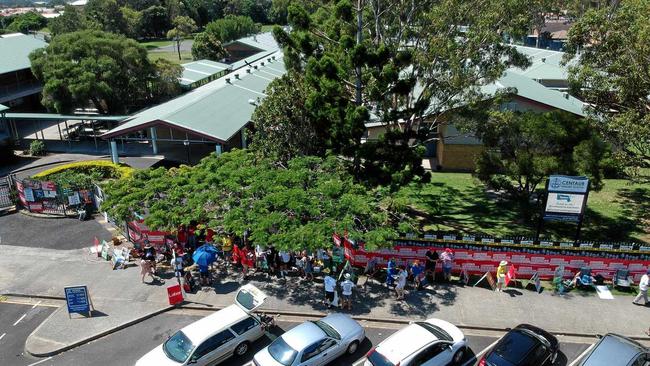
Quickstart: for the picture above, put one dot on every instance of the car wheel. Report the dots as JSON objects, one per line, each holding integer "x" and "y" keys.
{"x": 352, "y": 348}
{"x": 241, "y": 349}
{"x": 458, "y": 356}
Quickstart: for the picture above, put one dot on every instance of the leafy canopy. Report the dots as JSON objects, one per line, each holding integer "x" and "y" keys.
{"x": 295, "y": 206}
{"x": 613, "y": 73}
{"x": 110, "y": 71}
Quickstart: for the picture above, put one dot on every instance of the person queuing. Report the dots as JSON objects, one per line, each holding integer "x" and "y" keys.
{"x": 391, "y": 272}
{"x": 643, "y": 289}
{"x": 501, "y": 275}
{"x": 431, "y": 258}
{"x": 247, "y": 258}
{"x": 447, "y": 258}
{"x": 346, "y": 292}
{"x": 401, "y": 283}
{"x": 330, "y": 288}
{"x": 417, "y": 271}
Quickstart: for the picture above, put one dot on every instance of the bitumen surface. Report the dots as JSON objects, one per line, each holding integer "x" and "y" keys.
{"x": 16, "y": 323}
{"x": 126, "y": 346}
{"x": 62, "y": 233}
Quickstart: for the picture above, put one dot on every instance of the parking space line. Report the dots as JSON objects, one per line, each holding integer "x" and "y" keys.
{"x": 478, "y": 355}
{"x": 37, "y": 304}
{"x": 21, "y": 318}
{"x": 41, "y": 361}
{"x": 582, "y": 355}
{"x": 2, "y": 336}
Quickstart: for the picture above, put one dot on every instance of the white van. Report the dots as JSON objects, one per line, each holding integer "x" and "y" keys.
{"x": 216, "y": 337}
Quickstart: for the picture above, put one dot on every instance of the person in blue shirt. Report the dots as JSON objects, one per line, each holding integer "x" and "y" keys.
{"x": 391, "y": 271}
{"x": 417, "y": 271}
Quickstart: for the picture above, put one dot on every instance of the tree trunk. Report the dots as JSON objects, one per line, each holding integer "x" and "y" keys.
{"x": 178, "y": 47}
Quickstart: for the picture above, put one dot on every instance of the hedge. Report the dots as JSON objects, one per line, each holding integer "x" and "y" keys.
{"x": 117, "y": 171}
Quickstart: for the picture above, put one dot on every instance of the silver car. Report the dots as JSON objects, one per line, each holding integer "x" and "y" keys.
{"x": 616, "y": 350}
{"x": 313, "y": 343}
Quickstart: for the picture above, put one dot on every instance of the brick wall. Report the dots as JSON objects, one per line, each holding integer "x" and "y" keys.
{"x": 458, "y": 157}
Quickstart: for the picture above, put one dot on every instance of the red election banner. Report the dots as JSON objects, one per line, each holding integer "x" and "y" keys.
{"x": 337, "y": 240}
{"x": 174, "y": 294}
{"x": 36, "y": 206}
{"x": 478, "y": 261}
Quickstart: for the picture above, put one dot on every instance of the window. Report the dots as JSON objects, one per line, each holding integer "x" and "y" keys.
{"x": 429, "y": 353}
{"x": 244, "y": 325}
{"x": 312, "y": 350}
{"x": 327, "y": 344}
{"x": 213, "y": 343}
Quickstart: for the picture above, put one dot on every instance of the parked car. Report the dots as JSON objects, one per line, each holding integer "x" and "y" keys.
{"x": 211, "y": 340}
{"x": 616, "y": 350}
{"x": 523, "y": 346}
{"x": 433, "y": 342}
{"x": 313, "y": 343}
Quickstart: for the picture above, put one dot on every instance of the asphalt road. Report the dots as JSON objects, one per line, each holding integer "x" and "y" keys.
{"x": 125, "y": 347}
{"x": 16, "y": 323}
{"x": 60, "y": 233}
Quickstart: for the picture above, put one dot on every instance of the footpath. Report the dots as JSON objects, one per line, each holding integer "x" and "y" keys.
{"x": 121, "y": 300}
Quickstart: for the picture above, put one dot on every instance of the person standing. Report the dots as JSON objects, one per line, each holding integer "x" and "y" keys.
{"x": 431, "y": 257}
{"x": 447, "y": 258}
{"x": 146, "y": 269}
{"x": 272, "y": 259}
{"x": 285, "y": 258}
{"x": 417, "y": 271}
{"x": 501, "y": 275}
{"x": 226, "y": 248}
{"x": 309, "y": 266}
{"x": 330, "y": 287}
{"x": 643, "y": 289}
{"x": 401, "y": 283}
{"x": 391, "y": 272}
{"x": 346, "y": 292}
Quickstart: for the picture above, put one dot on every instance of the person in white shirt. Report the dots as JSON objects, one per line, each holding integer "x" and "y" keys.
{"x": 346, "y": 292}
{"x": 285, "y": 258}
{"x": 401, "y": 283}
{"x": 330, "y": 287}
{"x": 643, "y": 289}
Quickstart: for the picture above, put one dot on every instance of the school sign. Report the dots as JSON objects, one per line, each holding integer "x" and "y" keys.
{"x": 566, "y": 198}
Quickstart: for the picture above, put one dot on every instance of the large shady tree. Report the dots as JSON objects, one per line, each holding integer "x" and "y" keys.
{"x": 294, "y": 206}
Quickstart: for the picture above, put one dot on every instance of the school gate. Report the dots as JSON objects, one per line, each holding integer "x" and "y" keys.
{"x": 6, "y": 186}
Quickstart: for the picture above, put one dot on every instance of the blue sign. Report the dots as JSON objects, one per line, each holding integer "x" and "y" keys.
{"x": 77, "y": 299}
{"x": 562, "y": 183}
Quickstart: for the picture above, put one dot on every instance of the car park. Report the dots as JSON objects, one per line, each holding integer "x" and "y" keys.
{"x": 433, "y": 342}
{"x": 525, "y": 345}
{"x": 616, "y": 350}
{"x": 211, "y": 340}
{"x": 313, "y": 343}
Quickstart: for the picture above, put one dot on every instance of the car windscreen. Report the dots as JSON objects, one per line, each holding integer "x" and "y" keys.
{"x": 331, "y": 332}
{"x": 178, "y": 347}
{"x": 436, "y": 331}
{"x": 515, "y": 346}
{"x": 282, "y": 352}
{"x": 377, "y": 359}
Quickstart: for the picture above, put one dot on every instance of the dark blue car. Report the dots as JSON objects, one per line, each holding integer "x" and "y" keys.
{"x": 525, "y": 345}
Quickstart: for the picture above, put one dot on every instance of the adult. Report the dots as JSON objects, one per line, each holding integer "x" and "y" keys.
{"x": 247, "y": 259}
{"x": 431, "y": 258}
{"x": 346, "y": 292}
{"x": 209, "y": 236}
{"x": 260, "y": 258}
{"x": 643, "y": 289}
{"x": 501, "y": 275}
{"x": 447, "y": 258}
{"x": 146, "y": 269}
{"x": 309, "y": 266}
{"x": 391, "y": 272}
{"x": 181, "y": 235}
{"x": 226, "y": 248}
{"x": 177, "y": 265}
{"x": 149, "y": 255}
{"x": 417, "y": 271}
{"x": 204, "y": 273}
{"x": 285, "y": 258}
{"x": 191, "y": 236}
{"x": 273, "y": 259}
{"x": 401, "y": 283}
{"x": 330, "y": 287}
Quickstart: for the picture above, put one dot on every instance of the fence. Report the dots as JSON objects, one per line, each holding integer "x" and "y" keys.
{"x": 46, "y": 198}
{"x": 6, "y": 192}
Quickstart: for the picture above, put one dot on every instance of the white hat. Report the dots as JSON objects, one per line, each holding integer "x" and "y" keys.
{"x": 347, "y": 276}
{"x": 503, "y": 263}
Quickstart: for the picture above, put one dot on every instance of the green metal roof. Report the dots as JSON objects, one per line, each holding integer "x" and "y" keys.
{"x": 15, "y": 49}
{"x": 62, "y": 117}
{"x": 200, "y": 70}
{"x": 545, "y": 64}
{"x": 217, "y": 110}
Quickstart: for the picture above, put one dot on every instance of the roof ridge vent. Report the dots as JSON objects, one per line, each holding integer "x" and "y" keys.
{"x": 228, "y": 81}
{"x": 237, "y": 76}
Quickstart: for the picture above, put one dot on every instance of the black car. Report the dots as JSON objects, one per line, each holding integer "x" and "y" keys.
{"x": 525, "y": 345}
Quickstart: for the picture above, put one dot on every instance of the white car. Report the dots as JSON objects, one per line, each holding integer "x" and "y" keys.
{"x": 216, "y": 337}
{"x": 433, "y": 342}
{"x": 313, "y": 343}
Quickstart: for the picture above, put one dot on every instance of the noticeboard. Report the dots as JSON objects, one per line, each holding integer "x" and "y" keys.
{"x": 77, "y": 299}
{"x": 566, "y": 198}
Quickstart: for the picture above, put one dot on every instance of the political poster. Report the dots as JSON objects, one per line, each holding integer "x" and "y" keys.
{"x": 73, "y": 199}
{"x": 29, "y": 194}
{"x": 174, "y": 294}
{"x": 77, "y": 299}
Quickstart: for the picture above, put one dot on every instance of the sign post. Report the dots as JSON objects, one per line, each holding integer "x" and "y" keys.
{"x": 78, "y": 300}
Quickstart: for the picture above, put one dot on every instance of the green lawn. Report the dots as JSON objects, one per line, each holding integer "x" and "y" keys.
{"x": 458, "y": 202}
{"x": 172, "y": 56}
{"x": 150, "y": 45}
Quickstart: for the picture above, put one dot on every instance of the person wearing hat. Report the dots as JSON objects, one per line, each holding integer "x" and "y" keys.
{"x": 447, "y": 258}
{"x": 501, "y": 275}
{"x": 643, "y": 289}
{"x": 346, "y": 292}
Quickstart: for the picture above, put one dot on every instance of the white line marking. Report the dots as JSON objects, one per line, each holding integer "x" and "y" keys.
{"x": 41, "y": 361}
{"x": 21, "y": 318}
{"x": 582, "y": 355}
{"x": 478, "y": 355}
{"x": 37, "y": 304}
{"x": 2, "y": 336}
{"x": 250, "y": 90}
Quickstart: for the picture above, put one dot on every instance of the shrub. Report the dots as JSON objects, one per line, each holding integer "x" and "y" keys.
{"x": 81, "y": 175}
{"x": 37, "y": 148}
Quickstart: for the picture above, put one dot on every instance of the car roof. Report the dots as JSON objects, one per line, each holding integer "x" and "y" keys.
{"x": 404, "y": 342}
{"x": 613, "y": 349}
{"x": 211, "y": 324}
{"x": 303, "y": 335}
{"x": 518, "y": 343}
